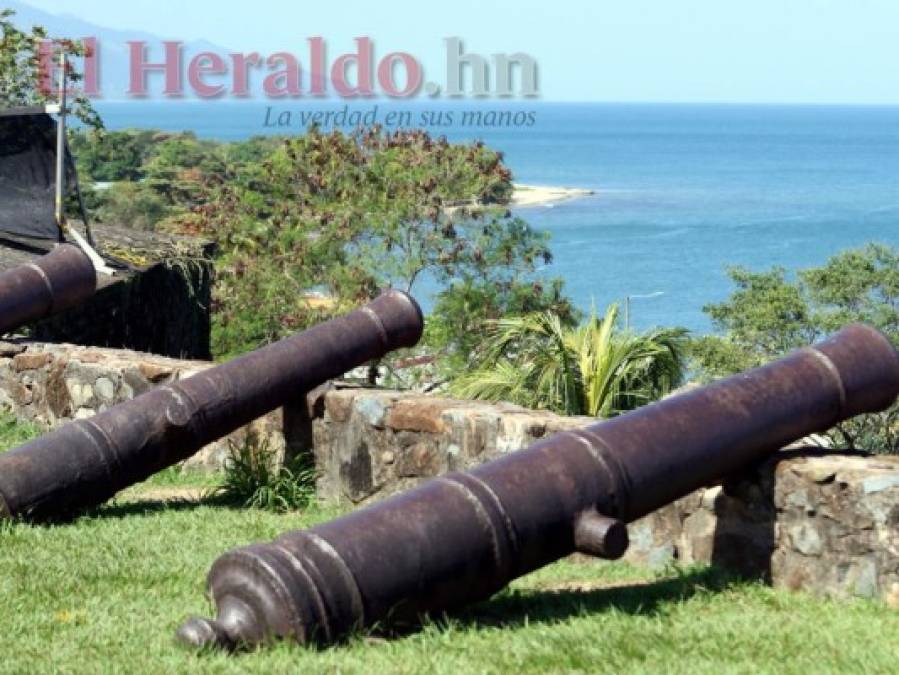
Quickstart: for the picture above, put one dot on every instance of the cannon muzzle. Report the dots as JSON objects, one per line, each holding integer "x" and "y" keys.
{"x": 60, "y": 280}
{"x": 461, "y": 537}
{"x": 87, "y": 461}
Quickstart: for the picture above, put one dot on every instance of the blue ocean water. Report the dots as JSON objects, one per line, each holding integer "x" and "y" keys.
{"x": 682, "y": 191}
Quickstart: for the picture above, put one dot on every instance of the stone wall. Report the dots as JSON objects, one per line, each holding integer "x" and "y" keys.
{"x": 373, "y": 443}
{"x": 50, "y": 384}
{"x": 824, "y": 523}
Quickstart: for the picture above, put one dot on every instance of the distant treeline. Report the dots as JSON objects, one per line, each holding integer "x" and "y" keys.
{"x": 144, "y": 178}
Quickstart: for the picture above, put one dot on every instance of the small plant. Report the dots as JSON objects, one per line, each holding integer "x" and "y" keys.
{"x": 14, "y": 433}
{"x": 596, "y": 369}
{"x": 254, "y": 478}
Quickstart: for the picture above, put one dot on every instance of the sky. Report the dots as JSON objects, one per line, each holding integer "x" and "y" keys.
{"x": 751, "y": 51}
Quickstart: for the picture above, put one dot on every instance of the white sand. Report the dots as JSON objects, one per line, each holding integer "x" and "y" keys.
{"x": 542, "y": 195}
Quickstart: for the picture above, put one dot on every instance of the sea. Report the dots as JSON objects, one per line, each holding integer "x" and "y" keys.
{"x": 681, "y": 191}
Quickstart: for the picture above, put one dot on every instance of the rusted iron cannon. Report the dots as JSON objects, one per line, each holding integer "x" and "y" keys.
{"x": 463, "y": 536}
{"x": 85, "y": 462}
{"x": 62, "y": 279}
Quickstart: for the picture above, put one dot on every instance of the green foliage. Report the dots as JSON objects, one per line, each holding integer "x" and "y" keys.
{"x": 312, "y": 225}
{"x": 134, "y": 205}
{"x": 156, "y": 176}
{"x": 537, "y": 361}
{"x": 14, "y": 433}
{"x": 112, "y": 155}
{"x": 255, "y": 478}
{"x": 178, "y": 166}
{"x": 350, "y": 214}
{"x": 767, "y": 313}
{"x": 771, "y": 313}
{"x": 22, "y": 80}
{"x": 252, "y": 151}
{"x": 856, "y": 285}
{"x": 460, "y": 322}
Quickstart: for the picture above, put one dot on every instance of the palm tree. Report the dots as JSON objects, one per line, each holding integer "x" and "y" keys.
{"x": 592, "y": 369}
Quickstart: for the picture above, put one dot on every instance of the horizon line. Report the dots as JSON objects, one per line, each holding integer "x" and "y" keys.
{"x": 481, "y": 101}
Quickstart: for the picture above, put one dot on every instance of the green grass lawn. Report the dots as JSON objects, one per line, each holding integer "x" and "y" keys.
{"x": 107, "y": 592}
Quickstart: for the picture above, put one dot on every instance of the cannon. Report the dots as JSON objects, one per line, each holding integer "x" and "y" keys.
{"x": 461, "y": 537}
{"x": 60, "y": 280}
{"x": 85, "y": 462}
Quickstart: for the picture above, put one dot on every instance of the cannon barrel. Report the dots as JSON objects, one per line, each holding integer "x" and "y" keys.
{"x": 62, "y": 279}
{"x": 87, "y": 461}
{"x": 461, "y": 537}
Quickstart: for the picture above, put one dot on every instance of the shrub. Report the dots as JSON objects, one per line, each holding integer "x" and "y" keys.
{"x": 538, "y": 361}
{"x": 254, "y": 478}
{"x": 773, "y": 312}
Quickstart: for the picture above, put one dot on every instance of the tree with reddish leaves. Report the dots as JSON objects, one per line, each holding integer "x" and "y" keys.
{"x": 330, "y": 219}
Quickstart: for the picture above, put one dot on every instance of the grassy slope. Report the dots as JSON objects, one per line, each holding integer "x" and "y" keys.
{"x": 107, "y": 592}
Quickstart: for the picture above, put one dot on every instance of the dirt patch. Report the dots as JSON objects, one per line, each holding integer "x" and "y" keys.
{"x": 167, "y": 494}
{"x": 585, "y": 586}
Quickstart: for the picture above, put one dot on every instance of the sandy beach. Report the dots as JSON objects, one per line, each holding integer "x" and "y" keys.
{"x": 527, "y": 196}
{"x": 542, "y": 195}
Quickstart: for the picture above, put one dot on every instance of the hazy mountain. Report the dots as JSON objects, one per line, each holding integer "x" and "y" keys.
{"x": 113, "y": 46}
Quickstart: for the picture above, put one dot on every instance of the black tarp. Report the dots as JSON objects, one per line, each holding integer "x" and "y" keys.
{"x": 28, "y": 175}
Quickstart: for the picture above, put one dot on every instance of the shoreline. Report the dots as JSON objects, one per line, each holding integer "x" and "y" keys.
{"x": 524, "y": 196}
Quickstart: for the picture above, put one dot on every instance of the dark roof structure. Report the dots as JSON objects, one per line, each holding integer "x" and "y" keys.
{"x": 28, "y": 175}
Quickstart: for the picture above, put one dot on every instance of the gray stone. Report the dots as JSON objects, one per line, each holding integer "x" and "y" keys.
{"x": 372, "y": 410}
{"x": 136, "y": 381}
{"x": 880, "y": 483}
{"x": 22, "y": 395}
{"x": 81, "y": 393}
{"x": 861, "y": 579}
{"x": 126, "y": 393}
{"x": 806, "y": 539}
{"x": 105, "y": 388}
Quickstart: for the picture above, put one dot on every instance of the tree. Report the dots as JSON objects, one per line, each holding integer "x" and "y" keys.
{"x": 112, "y": 155}
{"x": 463, "y": 312}
{"x": 23, "y": 78}
{"x": 130, "y": 205}
{"x": 771, "y": 313}
{"x": 537, "y": 361}
{"x": 178, "y": 166}
{"x": 156, "y": 175}
{"x": 349, "y": 214}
